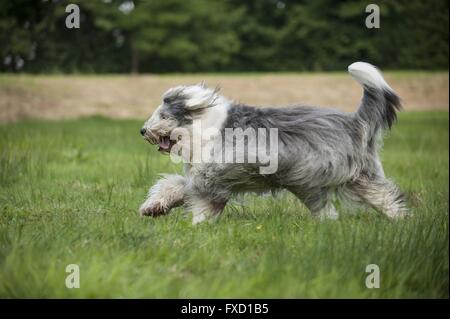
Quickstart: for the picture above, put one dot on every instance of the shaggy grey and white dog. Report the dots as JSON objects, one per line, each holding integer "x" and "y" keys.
{"x": 321, "y": 152}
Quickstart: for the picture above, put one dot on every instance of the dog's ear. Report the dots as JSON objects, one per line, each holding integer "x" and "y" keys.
{"x": 199, "y": 96}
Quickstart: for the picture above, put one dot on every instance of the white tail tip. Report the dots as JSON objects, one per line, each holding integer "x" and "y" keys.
{"x": 368, "y": 75}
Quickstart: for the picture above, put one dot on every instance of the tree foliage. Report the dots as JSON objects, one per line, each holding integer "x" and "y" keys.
{"x": 220, "y": 35}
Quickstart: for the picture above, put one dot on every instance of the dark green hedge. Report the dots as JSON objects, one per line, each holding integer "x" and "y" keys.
{"x": 220, "y": 35}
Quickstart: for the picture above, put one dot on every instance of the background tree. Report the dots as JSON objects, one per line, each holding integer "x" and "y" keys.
{"x": 220, "y": 35}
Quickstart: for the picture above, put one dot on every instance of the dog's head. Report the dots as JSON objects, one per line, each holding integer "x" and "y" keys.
{"x": 180, "y": 106}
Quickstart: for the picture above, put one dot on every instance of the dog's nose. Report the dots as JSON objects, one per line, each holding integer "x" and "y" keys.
{"x": 143, "y": 131}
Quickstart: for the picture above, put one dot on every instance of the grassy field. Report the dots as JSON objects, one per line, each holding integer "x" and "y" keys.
{"x": 69, "y": 193}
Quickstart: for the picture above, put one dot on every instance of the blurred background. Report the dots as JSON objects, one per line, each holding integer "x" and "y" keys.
{"x": 126, "y": 53}
{"x": 160, "y": 36}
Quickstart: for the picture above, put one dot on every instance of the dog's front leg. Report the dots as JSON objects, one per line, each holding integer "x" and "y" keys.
{"x": 167, "y": 193}
{"x": 204, "y": 207}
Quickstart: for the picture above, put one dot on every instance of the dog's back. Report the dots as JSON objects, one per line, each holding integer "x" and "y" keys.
{"x": 325, "y": 147}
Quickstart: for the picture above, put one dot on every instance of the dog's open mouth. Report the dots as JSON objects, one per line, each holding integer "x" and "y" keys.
{"x": 165, "y": 144}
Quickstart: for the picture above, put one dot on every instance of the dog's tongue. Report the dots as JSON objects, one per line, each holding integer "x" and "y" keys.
{"x": 164, "y": 143}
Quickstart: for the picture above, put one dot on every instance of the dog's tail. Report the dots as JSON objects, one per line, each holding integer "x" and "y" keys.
{"x": 380, "y": 103}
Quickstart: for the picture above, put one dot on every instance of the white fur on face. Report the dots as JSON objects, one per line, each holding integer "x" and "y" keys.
{"x": 214, "y": 107}
{"x": 155, "y": 118}
{"x": 208, "y": 111}
{"x": 156, "y": 125}
{"x": 212, "y": 117}
{"x": 198, "y": 97}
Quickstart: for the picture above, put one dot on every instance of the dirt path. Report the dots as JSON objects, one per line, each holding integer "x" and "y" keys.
{"x": 56, "y": 97}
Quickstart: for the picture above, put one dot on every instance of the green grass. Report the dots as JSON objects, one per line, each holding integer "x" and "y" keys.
{"x": 69, "y": 193}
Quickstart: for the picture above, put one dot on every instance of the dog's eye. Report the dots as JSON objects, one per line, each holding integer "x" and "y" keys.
{"x": 163, "y": 116}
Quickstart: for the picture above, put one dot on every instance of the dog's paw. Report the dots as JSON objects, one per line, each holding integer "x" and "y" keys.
{"x": 399, "y": 214}
{"x": 153, "y": 209}
{"x": 198, "y": 218}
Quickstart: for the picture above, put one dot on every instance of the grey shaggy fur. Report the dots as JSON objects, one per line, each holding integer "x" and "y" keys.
{"x": 322, "y": 153}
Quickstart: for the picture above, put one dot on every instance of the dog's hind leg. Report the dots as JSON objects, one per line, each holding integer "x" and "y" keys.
{"x": 167, "y": 193}
{"x": 379, "y": 193}
{"x": 318, "y": 202}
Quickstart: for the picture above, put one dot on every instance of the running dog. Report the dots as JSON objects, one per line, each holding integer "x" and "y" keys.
{"x": 320, "y": 152}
